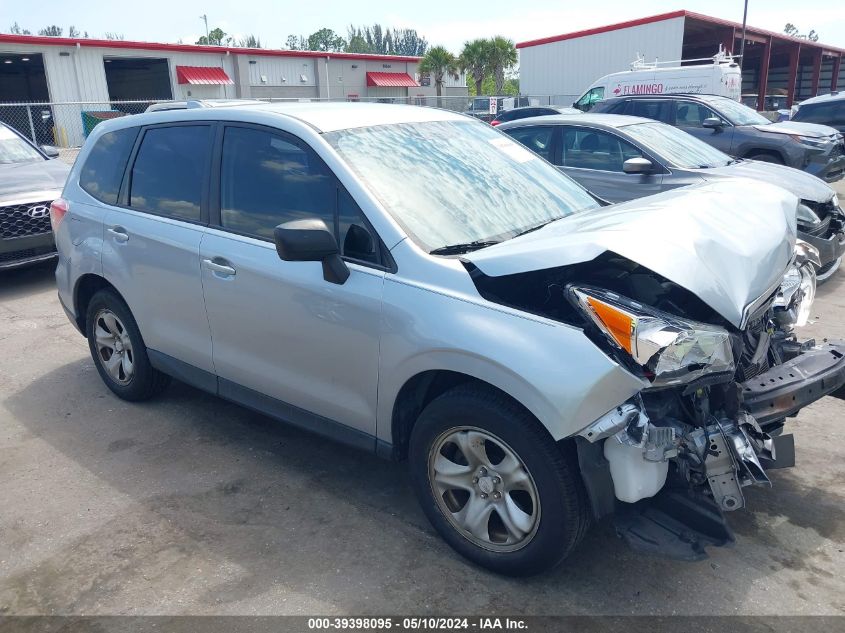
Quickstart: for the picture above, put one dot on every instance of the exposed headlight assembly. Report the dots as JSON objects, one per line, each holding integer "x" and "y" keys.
{"x": 798, "y": 289}
{"x": 812, "y": 141}
{"x": 671, "y": 350}
{"x": 805, "y": 215}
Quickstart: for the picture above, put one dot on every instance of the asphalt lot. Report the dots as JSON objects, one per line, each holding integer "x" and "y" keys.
{"x": 191, "y": 505}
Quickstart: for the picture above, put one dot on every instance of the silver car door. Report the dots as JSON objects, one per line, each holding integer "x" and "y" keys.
{"x": 152, "y": 236}
{"x": 285, "y": 339}
{"x": 594, "y": 158}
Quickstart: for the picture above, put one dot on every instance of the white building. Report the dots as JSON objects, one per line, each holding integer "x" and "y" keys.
{"x": 90, "y": 73}
{"x": 564, "y": 66}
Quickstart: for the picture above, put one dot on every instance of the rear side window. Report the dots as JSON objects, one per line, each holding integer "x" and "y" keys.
{"x": 659, "y": 110}
{"x": 168, "y": 176}
{"x": 266, "y": 180}
{"x": 537, "y": 139}
{"x": 103, "y": 169}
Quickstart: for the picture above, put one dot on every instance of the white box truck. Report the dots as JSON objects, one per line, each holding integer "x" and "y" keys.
{"x": 722, "y": 76}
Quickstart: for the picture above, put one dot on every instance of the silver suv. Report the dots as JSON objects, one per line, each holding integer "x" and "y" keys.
{"x": 414, "y": 283}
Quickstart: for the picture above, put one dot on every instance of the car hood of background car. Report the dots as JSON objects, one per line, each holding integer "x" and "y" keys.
{"x": 804, "y": 185}
{"x": 796, "y": 127}
{"x": 728, "y": 242}
{"x": 17, "y": 179}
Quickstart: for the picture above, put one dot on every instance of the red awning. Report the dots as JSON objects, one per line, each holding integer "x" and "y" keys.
{"x": 202, "y": 75}
{"x": 391, "y": 80}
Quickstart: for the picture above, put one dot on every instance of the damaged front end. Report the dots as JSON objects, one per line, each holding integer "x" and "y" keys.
{"x": 671, "y": 460}
{"x": 680, "y": 453}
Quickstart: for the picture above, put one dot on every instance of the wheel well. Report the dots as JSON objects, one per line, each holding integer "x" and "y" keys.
{"x": 768, "y": 152}
{"x": 415, "y": 395}
{"x": 87, "y": 287}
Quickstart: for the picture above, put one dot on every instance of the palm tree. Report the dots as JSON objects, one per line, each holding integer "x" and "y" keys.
{"x": 475, "y": 59}
{"x": 439, "y": 62}
{"x": 502, "y": 57}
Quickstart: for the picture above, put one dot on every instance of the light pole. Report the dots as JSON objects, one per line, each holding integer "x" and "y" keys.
{"x": 742, "y": 45}
{"x": 204, "y": 18}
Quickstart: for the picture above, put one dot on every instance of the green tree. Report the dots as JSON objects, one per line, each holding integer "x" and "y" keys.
{"x": 326, "y": 40}
{"x": 503, "y": 57}
{"x": 216, "y": 37}
{"x": 439, "y": 63}
{"x": 113, "y": 36}
{"x": 250, "y": 41}
{"x": 51, "y": 31}
{"x": 792, "y": 30}
{"x": 17, "y": 30}
{"x": 475, "y": 61}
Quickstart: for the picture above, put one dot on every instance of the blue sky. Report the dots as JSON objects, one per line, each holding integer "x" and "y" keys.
{"x": 443, "y": 22}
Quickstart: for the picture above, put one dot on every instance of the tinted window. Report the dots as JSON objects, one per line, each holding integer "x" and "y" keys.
{"x": 691, "y": 114}
{"x": 267, "y": 180}
{"x": 103, "y": 171}
{"x": 830, "y": 113}
{"x": 537, "y": 139}
{"x": 169, "y": 171}
{"x": 357, "y": 241}
{"x": 592, "y": 149}
{"x": 659, "y": 110}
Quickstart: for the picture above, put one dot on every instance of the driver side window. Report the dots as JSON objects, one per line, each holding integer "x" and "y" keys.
{"x": 691, "y": 114}
{"x": 592, "y": 97}
{"x": 586, "y": 148}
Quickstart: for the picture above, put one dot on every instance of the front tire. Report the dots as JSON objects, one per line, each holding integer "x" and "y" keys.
{"x": 118, "y": 350}
{"x": 494, "y": 484}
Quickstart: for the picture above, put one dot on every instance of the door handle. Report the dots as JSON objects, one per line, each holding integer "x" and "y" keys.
{"x": 218, "y": 267}
{"x": 119, "y": 233}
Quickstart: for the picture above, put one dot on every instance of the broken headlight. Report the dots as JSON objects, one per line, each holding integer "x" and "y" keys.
{"x": 798, "y": 289}
{"x": 806, "y": 216}
{"x": 671, "y": 350}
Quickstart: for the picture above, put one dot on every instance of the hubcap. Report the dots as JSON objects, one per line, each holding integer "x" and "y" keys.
{"x": 114, "y": 349}
{"x": 483, "y": 489}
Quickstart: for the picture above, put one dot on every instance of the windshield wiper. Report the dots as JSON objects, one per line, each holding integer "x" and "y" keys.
{"x": 537, "y": 226}
{"x": 457, "y": 249}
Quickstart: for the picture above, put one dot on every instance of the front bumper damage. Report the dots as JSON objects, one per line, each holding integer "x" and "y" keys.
{"x": 668, "y": 485}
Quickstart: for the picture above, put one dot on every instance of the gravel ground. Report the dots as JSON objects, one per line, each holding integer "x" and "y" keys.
{"x": 190, "y": 505}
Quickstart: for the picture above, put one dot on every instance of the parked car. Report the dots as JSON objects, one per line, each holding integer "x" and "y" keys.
{"x": 740, "y": 131}
{"x": 826, "y": 109}
{"x": 30, "y": 179}
{"x": 531, "y": 111}
{"x": 620, "y": 158}
{"x": 479, "y": 107}
{"x": 721, "y": 77}
{"x": 417, "y": 284}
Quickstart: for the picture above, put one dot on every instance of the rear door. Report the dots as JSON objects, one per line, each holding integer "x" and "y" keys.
{"x": 594, "y": 158}
{"x": 279, "y": 328}
{"x": 152, "y": 238}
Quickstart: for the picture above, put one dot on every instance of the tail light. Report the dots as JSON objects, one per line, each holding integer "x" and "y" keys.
{"x": 58, "y": 209}
{"x": 495, "y": 122}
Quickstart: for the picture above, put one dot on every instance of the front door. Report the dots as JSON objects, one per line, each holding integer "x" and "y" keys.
{"x": 279, "y": 329}
{"x": 690, "y": 116}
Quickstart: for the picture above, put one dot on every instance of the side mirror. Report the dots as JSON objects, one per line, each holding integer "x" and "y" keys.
{"x": 311, "y": 241}
{"x": 52, "y": 152}
{"x": 714, "y": 123}
{"x": 637, "y": 165}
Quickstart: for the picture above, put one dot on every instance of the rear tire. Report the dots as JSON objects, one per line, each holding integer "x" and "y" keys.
{"x": 118, "y": 349}
{"x": 767, "y": 158}
{"x": 494, "y": 483}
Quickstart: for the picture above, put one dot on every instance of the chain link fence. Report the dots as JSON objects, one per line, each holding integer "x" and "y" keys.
{"x": 67, "y": 125}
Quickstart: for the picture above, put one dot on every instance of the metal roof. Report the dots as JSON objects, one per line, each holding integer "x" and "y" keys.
{"x": 41, "y": 40}
{"x": 683, "y": 13}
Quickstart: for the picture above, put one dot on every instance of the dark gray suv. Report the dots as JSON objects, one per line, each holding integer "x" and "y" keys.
{"x": 742, "y": 132}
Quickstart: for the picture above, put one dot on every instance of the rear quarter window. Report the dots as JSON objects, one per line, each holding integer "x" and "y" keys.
{"x": 103, "y": 169}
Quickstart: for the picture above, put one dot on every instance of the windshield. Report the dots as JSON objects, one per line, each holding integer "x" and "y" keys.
{"x": 458, "y": 182}
{"x": 13, "y": 149}
{"x": 676, "y": 146}
{"x": 737, "y": 113}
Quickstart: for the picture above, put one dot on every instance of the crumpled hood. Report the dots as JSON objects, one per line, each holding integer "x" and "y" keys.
{"x": 804, "y": 185}
{"x": 19, "y": 179}
{"x": 797, "y": 127}
{"x": 727, "y": 242}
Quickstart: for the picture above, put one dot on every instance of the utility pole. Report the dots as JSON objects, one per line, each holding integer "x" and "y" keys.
{"x": 742, "y": 46}
{"x": 204, "y": 18}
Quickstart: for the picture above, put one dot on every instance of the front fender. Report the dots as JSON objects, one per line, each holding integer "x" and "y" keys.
{"x": 551, "y": 368}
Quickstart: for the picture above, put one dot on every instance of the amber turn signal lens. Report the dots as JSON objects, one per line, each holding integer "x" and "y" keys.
{"x": 619, "y": 324}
